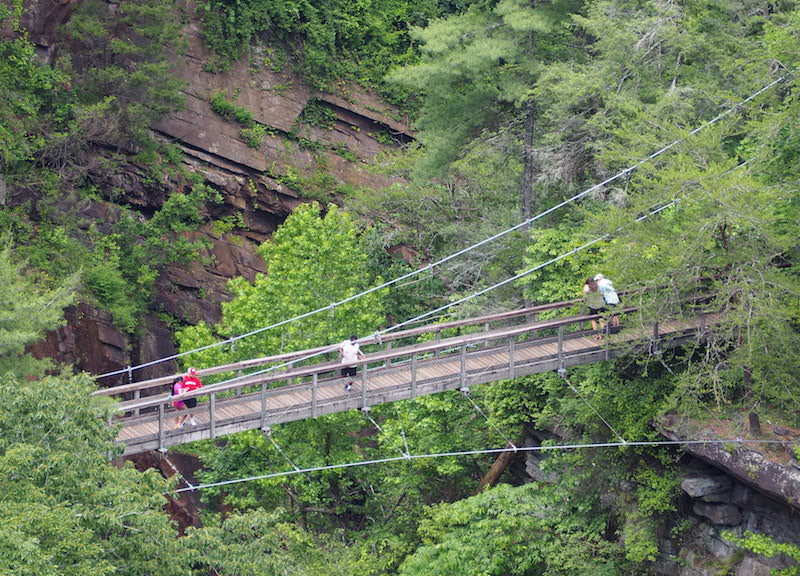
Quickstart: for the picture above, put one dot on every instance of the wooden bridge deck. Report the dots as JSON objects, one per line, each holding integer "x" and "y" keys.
{"x": 259, "y": 401}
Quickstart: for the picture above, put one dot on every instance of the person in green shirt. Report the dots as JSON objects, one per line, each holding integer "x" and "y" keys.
{"x": 595, "y": 303}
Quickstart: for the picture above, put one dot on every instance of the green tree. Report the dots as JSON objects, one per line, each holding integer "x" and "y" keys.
{"x": 65, "y": 508}
{"x": 312, "y": 260}
{"x": 33, "y": 99}
{"x": 505, "y": 530}
{"x": 123, "y": 55}
{"x": 476, "y": 76}
{"x": 27, "y": 314}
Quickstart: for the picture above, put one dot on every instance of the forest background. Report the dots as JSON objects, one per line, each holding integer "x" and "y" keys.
{"x": 517, "y": 106}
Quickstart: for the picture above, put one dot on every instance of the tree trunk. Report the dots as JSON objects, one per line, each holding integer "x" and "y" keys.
{"x": 528, "y": 164}
{"x": 498, "y": 467}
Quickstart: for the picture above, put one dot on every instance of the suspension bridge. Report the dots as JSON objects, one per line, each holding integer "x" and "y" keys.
{"x": 404, "y": 365}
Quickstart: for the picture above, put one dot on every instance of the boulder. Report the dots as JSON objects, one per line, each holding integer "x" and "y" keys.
{"x": 721, "y": 514}
{"x": 701, "y": 486}
{"x": 751, "y": 566}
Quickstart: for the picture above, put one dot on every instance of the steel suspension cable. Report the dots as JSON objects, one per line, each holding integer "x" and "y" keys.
{"x": 360, "y": 463}
{"x": 405, "y": 452}
{"x": 466, "y": 250}
{"x": 210, "y": 388}
{"x": 277, "y": 446}
{"x": 465, "y": 393}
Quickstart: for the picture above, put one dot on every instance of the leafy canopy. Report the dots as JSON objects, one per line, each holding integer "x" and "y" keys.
{"x": 27, "y": 313}
{"x": 313, "y": 259}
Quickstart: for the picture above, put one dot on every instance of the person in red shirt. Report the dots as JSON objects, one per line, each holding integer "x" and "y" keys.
{"x": 181, "y": 386}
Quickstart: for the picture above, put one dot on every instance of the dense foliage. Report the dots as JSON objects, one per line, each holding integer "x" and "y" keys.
{"x": 328, "y": 40}
{"x": 519, "y": 105}
{"x": 28, "y": 312}
{"x": 64, "y": 127}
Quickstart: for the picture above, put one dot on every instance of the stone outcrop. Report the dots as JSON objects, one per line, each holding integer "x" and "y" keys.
{"x": 88, "y": 339}
{"x": 706, "y": 486}
{"x": 748, "y": 466}
{"x": 720, "y": 514}
{"x": 732, "y": 488}
{"x": 752, "y": 566}
{"x": 255, "y": 184}
{"x": 276, "y": 99}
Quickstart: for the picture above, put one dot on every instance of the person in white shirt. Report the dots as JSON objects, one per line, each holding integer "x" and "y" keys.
{"x": 606, "y": 288}
{"x": 350, "y": 352}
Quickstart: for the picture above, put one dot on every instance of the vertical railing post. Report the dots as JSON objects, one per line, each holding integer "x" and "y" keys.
{"x": 485, "y": 326}
{"x": 264, "y": 422}
{"x": 463, "y": 378}
{"x": 161, "y": 429}
{"x": 413, "y": 375}
{"x": 511, "y": 361}
{"x": 136, "y": 393}
{"x": 437, "y": 338}
{"x": 608, "y": 333}
{"x": 212, "y": 415}
{"x": 388, "y": 349}
{"x": 561, "y": 347}
{"x": 364, "y": 386}
{"x": 655, "y": 346}
{"x": 314, "y": 380}
{"x": 238, "y": 391}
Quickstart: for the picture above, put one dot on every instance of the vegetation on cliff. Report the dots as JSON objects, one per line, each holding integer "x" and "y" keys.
{"x": 70, "y": 129}
{"x": 520, "y": 106}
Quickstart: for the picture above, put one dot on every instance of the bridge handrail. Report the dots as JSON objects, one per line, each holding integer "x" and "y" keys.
{"x": 288, "y": 356}
{"x": 421, "y": 348}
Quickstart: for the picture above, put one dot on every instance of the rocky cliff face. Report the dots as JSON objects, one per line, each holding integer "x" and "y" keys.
{"x": 735, "y": 488}
{"x": 262, "y": 185}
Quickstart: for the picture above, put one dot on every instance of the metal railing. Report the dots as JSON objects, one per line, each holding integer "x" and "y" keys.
{"x": 406, "y": 372}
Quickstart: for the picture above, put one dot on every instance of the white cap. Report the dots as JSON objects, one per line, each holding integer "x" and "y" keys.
{"x": 599, "y": 277}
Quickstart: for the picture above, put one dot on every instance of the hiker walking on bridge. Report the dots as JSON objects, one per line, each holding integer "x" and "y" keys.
{"x": 181, "y": 386}
{"x": 610, "y": 296}
{"x": 595, "y": 303}
{"x": 350, "y": 352}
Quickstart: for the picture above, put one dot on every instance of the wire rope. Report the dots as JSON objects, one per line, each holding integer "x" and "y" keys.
{"x": 366, "y": 413}
{"x": 463, "y": 251}
{"x": 210, "y": 388}
{"x": 610, "y": 427}
{"x": 277, "y": 446}
{"x": 360, "y": 463}
{"x": 478, "y": 409}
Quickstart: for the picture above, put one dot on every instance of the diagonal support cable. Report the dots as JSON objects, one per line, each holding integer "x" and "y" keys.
{"x": 405, "y": 443}
{"x": 465, "y": 392}
{"x": 177, "y": 472}
{"x": 405, "y": 452}
{"x": 268, "y": 433}
{"x": 563, "y": 375}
